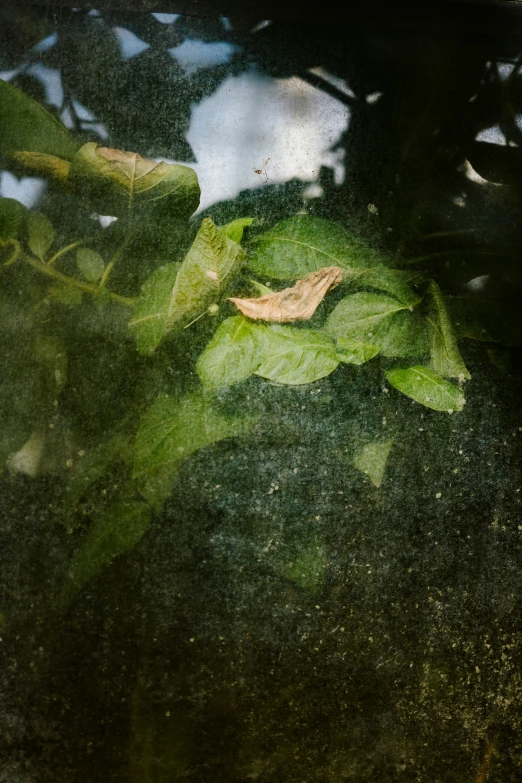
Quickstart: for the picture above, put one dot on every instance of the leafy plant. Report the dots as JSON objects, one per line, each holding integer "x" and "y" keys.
{"x": 184, "y": 341}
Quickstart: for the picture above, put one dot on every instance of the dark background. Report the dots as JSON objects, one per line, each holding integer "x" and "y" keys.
{"x": 194, "y": 657}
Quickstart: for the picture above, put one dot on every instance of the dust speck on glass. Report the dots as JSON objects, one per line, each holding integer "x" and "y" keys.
{"x": 259, "y": 400}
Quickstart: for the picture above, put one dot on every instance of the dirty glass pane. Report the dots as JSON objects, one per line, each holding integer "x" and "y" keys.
{"x": 259, "y": 393}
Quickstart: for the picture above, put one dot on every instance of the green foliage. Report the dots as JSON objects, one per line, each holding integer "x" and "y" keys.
{"x": 172, "y": 429}
{"x": 90, "y": 264}
{"x": 40, "y": 234}
{"x": 81, "y": 338}
{"x": 372, "y": 459}
{"x": 26, "y": 125}
{"x": 304, "y": 244}
{"x": 307, "y": 569}
{"x": 428, "y": 388}
{"x": 12, "y": 215}
{"x": 444, "y": 353}
{"x": 353, "y": 352}
{"x": 294, "y": 356}
{"x": 392, "y": 281}
{"x": 211, "y": 261}
{"x": 236, "y": 228}
{"x": 150, "y": 322}
{"x": 89, "y": 468}
{"x": 119, "y": 528}
{"x": 116, "y": 182}
{"x": 231, "y": 356}
{"x": 283, "y": 354}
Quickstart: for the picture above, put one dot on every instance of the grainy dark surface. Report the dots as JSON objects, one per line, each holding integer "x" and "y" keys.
{"x": 282, "y": 619}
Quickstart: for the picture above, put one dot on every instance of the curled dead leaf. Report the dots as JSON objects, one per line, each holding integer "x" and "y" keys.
{"x": 297, "y": 303}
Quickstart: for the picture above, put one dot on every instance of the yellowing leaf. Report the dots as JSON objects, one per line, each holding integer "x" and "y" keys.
{"x": 297, "y": 303}
{"x": 49, "y": 166}
{"x": 116, "y": 181}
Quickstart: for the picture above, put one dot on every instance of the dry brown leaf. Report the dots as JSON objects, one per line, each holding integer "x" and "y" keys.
{"x": 292, "y": 304}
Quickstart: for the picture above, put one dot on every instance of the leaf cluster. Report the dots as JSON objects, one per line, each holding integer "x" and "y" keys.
{"x": 178, "y": 329}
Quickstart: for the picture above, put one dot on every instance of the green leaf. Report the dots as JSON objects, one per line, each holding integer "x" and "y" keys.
{"x": 231, "y": 355}
{"x": 428, "y": 388}
{"x": 372, "y": 459}
{"x": 235, "y": 229}
{"x": 392, "y": 281}
{"x": 284, "y": 354}
{"x": 293, "y": 356}
{"x": 89, "y": 469}
{"x": 172, "y": 429}
{"x": 150, "y": 322}
{"x": 260, "y": 288}
{"x": 211, "y": 261}
{"x": 12, "y": 215}
{"x": 304, "y": 244}
{"x": 352, "y": 352}
{"x": 445, "y": 355}
{"x": 40, "y": 234}
{"x": 26, "y": 125}
{"x": 402, "y": 334}
{"x": 90, "y": 264}
{"x": 358, "y": 316}
{"x": 115, "y": 182}
{"x": 157, "y": 485}
{"x": 116, "y": 531}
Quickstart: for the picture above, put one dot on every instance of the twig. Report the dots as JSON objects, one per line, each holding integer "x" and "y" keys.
{"x": 90, "y": 289}
{"x": 63, "y": 251}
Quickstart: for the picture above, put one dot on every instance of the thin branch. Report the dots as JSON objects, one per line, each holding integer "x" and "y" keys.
{"x": 63, "y": 251}
{"x": 89, "y": 289}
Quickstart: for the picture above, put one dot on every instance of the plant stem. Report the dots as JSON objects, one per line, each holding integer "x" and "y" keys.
{"x": 108, "y": 269}
{"x": 89, "y": 289}
{"x": 16, "y": 252}
{"x": 63, "y": 251}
